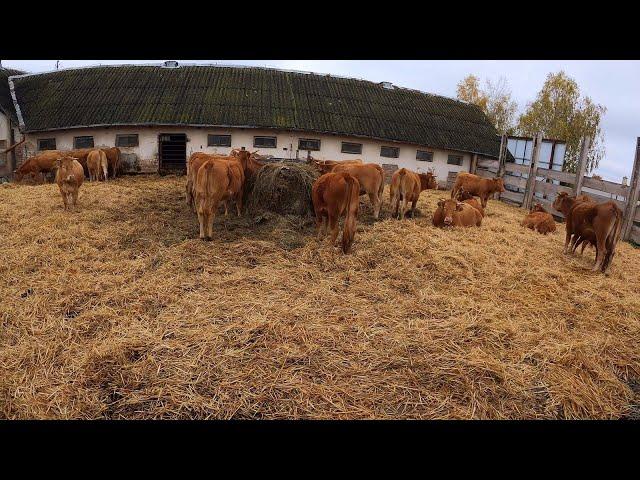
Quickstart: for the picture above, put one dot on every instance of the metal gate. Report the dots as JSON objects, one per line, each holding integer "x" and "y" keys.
{"x": 172, "y": 148}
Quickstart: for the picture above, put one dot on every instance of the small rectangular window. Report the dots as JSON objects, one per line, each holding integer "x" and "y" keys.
{"x": 454, "y": 159}
{"x": 128, "y": 140}
{"x": 309, "y": 144}
{"x": 83, "y": 142}
{"x": 424, "y": 156}
{"x": 355, "y": 148}
{"x": 47, "y": 144}
{"x": 265, "y": 142}
{"x": 219, "y": 140}
{"x": 389, "y": 152}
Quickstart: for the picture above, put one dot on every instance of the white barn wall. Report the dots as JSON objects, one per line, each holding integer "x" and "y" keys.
{"x": 330, "y": 146}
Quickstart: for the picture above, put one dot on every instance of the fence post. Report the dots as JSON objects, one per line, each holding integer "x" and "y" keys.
{"x": 474, "y": 163}
{"x": 632, "y": 198}
{"x": 533, "y": 170}
{"x": 582, "y": 165}
{"x": 503, "y": 155}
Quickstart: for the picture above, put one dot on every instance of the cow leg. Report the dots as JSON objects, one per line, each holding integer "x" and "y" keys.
{"x": 375, "y": 202}
{"x": 74, "y": 195}
{"x": 239, "y": 202}
{"x": 403, "y": 207}
{"x": 64, "y": 198}
{"x": 413, "y": 208}
{"x": 106, "y": 172}
{"x": 333, "y": 227}
{"x": 483, "y": 200}
{"x": 201, "y": 220}
{"x": 210, "y": 218}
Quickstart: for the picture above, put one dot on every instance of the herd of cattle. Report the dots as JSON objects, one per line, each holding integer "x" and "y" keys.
{"x": 213, "y": 179}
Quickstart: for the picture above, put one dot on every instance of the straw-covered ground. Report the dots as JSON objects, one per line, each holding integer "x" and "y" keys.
{"x": 119, "y": 311}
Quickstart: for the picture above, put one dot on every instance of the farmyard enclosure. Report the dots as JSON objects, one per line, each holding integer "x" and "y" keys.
{"x": 118, "y": 310}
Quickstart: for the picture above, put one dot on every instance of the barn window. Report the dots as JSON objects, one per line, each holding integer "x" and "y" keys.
{"x": 218, "y": 140}
{"x": 127, "y": 140}
{"x": 348, "y": 147}
{"x": 265, "y": 142}
{"x": 83, "y": 142}
{"x": 454, "y": 160}
{"x": 389, "y": 152}
{"x": 424, "y": 156}
{"x": 309, "y": 144}
{"x": 46, "y": 144}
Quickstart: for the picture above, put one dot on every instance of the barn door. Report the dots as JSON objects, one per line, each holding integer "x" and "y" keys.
{"x": 172, "y": 149}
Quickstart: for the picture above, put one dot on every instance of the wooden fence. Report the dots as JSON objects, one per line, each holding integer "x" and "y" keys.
{"x": 542, "y": 185}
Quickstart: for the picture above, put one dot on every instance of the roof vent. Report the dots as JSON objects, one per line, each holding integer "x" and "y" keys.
{"x": 387, "y": 85}
{"x": 171, "y": 64}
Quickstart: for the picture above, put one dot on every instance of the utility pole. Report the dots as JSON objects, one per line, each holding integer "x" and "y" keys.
{"x": 57, "y": 64}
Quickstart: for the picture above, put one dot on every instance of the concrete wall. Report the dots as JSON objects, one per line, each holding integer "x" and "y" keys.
{"x": 146, "y": 154}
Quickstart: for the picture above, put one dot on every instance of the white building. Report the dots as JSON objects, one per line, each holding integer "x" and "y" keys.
{"x": 159, "y": 114}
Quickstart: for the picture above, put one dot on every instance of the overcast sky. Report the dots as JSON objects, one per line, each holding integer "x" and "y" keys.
{"x": 613, "y": 84}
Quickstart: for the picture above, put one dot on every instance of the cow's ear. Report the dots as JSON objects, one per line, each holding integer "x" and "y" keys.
{"x": 441, "y": 203}
{"x": 458, "y": 207}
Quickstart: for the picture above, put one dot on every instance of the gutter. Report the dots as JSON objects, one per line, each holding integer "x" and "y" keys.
{"x": 15, "y": 104}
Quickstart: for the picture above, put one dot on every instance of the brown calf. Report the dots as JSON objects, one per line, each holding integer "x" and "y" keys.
{"x": 452, "y": 213}
{"x": 97, "y": 165}
{"x": 406, "y": 186}
{"x": 539, "y": 220}
{"x": 478, "y": 186}
{"x": 602, "y": 222}
{"x": 466, "y": 197}
{"x": 334, "y": 195}
{"x": 37, "y": 165}
{"x": 216, "y": 180}
{"x": 69, "y": 177}
{"x": 370, "y": 177}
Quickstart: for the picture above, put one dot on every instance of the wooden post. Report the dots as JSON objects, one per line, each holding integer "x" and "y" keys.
{"x": 533, "y": 170}
{"x": 582, "y": 165}
{"x": 474, "y": 163}
{"x": 503, "y": 155}
{"x": 632, "y": 197}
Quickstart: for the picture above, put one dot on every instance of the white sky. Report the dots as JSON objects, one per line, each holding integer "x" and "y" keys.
{"x": 613, "y": 84}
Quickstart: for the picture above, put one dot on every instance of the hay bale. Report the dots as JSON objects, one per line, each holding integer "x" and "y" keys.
{"x": 283, "y": 188}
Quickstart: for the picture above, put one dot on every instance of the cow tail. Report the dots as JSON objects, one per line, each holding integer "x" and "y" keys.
{"x": 612, "y": 238}
{"x": 353, "y": 196}
{"x": 381, "y": 189}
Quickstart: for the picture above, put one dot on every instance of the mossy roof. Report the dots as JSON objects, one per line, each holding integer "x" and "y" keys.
{"x": 211, "y": 95}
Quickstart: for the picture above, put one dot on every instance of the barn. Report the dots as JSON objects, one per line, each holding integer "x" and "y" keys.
{"x": 9, "y": 128}
{"x": 159, "y": 114}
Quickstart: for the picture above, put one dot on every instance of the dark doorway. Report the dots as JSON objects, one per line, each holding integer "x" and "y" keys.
{"x": 172, "y": 150}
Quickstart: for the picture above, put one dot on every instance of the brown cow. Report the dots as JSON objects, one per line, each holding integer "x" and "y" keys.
{"x": 326, "y": 166}
{"x": 97, "y": 165}
{"x": 406, "y": 186}
{"x": 453, "y": 213}
{"x": 539, "y": 220}
{"x": 465, "y": 197}
{"x": 334, "y": 195}
{"x": 370, "y": 177}
{"x": 601, "y": 222}
{"x": 249, "y": 160}
{"x": 475, "y": 185}
{"x": 588, "y": 237}
{"x": 37, "y": 165}
{"x": 113, "y": 159}
{"x": 69, "y": 177}
{"x": 216, "y": 180}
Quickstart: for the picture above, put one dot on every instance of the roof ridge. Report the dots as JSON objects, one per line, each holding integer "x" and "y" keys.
{"x": 231, "y": 65}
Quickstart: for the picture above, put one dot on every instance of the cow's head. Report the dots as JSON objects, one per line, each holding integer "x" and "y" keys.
{"x": 498, "y": 184}
{"x": 65, "y": 168}
{"x": 17, "y": 175}
{"x": 562, "y": 202}
{"x": 538, "y": 208}
{"x": 428, "y": 181}
{"x": 462, "y": 194}
{"x": 449, "y": 207}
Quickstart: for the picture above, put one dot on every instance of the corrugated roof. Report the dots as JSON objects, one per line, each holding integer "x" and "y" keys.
{"x": 211, "y": 95}
{"x": 6, "y": 102}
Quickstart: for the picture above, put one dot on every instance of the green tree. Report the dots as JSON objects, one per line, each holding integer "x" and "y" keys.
{"x": 494, "y": 100}
{"x": 559, "y": 112}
